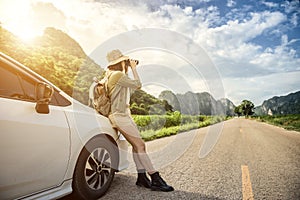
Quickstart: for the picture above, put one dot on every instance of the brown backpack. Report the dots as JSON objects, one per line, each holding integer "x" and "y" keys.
{"x": 101, "y": 100}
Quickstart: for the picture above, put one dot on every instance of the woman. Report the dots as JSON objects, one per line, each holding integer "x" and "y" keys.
{"x": 120, "y": 86}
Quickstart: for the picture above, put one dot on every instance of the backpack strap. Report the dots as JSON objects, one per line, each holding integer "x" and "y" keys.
{"x": 114, "y": 78}
{"x": 106, "y": 82}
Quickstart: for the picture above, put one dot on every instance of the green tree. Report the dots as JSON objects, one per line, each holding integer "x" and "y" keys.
{"x": 144, "y": 103}
{"x": 167, "y": 106}
{"x": 238, "y": 110}
{"x": 247, "y": 108}
{"x": 57, "y": 57}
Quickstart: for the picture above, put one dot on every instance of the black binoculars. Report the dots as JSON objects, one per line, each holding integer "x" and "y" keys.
{"x": 128, "y": 62}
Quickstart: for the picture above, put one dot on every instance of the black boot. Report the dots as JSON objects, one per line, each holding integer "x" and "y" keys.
{"x": 158, "y": 184}
{"x": 142, "y": 179}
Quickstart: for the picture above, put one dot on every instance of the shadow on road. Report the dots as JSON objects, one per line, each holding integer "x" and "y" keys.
{"x": 123, "y": 187}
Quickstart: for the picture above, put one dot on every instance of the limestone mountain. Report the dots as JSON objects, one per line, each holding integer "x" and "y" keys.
{"x": 56, "y": 38}
{"x": 280, "y": 105}
{"x": 198, "y": 103}
{"x": 228, "y": 106}
{"x": 57, "y": 57}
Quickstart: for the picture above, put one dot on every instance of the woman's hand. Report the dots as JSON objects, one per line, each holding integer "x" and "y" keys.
{"x": 133, "y": 63}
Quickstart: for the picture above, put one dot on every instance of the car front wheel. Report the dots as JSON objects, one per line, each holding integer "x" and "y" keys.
{"x": 95, "y": 168}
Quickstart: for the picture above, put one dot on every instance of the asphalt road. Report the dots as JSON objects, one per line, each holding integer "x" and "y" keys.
{"x": 251, "y": 160}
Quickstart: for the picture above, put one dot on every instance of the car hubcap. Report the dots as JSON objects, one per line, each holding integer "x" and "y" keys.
{"x": 98, "y": 168}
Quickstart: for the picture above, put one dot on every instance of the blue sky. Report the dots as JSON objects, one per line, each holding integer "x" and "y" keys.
{"x": 254, "y": 45}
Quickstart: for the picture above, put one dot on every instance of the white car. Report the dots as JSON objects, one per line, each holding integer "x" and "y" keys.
{"x": 50, "y": 144}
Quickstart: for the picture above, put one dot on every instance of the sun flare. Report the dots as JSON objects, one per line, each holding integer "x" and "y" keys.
{"x": 27, "y": 35}
{"x": 20, "y": 23}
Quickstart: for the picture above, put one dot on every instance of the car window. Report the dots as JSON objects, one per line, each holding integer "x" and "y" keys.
{"x": 28, "y": 86}
{"x": 17, "y": 85}
{"x": 60, "y": 100}
{"x": 10, "y": 86}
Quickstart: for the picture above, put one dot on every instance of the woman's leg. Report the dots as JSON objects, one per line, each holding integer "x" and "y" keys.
{"x": 139, "y": 165}
{"x": 141, "y": 159}
{"x": 130, "y": 131}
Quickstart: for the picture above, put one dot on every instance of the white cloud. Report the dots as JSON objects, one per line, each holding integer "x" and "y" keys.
{"x": 231, "y": 3}
{"x": 261, "y": 88}
{"x": 291, "y": 6}
{"x": 228, "y": 43}
{"x": 294, "y": 19}
{"x": 230, "y": 47}
{"x": 280, "y": 59}
{"x": 270, "y": 4}
{"x": 46, "y": 14}
{"x": 236, "y": 33}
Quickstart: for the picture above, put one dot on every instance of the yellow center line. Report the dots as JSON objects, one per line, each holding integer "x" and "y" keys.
{"x": 246, "y": 183}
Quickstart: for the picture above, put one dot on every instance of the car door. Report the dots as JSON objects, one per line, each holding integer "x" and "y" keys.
{"x": 34, "y": 148}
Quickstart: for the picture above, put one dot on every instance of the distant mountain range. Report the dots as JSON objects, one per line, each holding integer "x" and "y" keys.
{"x": 289, "y": 104}
{"x": 205, "y": 104}
{"x": 198, "y": 103}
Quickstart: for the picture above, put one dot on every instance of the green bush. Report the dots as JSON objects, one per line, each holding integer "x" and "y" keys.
{"x": 157, "y": 126}
{"x": 167, "y": 131}
{"x": 173, "y": 119}
{"x": 148, "y": 135}
{"x": 290, "y": 122}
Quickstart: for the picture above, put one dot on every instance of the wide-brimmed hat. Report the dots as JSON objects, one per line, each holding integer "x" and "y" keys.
{"x": 115, "y": 56}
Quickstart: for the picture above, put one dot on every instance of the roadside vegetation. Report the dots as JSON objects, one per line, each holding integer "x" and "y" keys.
{"x": 289, "y": 122}
{"x": 158, "y": 126}
{"x": 244, "y": 109}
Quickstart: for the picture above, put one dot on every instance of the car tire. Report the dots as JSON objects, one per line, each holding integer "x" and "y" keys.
{"x": 95, "y": 168}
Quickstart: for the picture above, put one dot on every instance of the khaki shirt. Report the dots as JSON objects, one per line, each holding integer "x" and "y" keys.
{"x": 118, "y": 84}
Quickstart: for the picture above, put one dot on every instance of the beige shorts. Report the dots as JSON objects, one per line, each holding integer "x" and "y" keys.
{"x": 125, "y": 123}
{"x": 120, "y": 120}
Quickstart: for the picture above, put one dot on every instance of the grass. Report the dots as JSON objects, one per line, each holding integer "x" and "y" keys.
{"x": 289, "y": 122}
{"x": 151, "y": 131}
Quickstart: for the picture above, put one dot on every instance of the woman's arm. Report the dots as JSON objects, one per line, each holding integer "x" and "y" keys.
{"x": 127, "y": 82}
{"x": 123, "y": 80}
{"x": 134, "y": 72}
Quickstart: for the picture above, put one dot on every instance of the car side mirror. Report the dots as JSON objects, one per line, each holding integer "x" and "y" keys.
{"x": 44, "y": 93}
